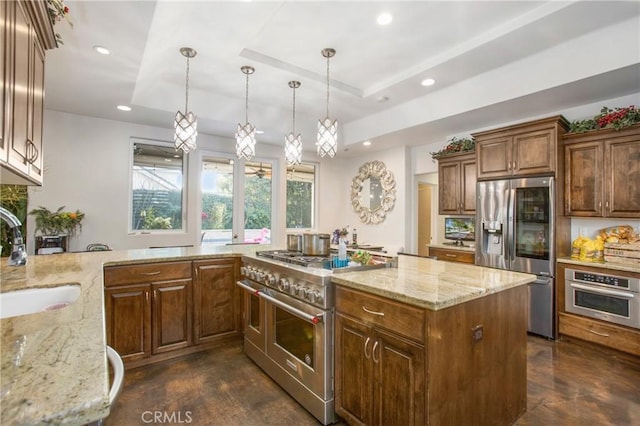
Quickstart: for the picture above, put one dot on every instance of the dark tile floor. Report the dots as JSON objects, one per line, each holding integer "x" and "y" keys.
{"x": 568, "y": 384}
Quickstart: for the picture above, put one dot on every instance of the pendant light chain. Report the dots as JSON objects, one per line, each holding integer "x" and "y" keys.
{"x": 186, "y": 97}
{"x": 328, "y": 85}
{"x": 294, "y": 109}
{"x": 246, "y": 100}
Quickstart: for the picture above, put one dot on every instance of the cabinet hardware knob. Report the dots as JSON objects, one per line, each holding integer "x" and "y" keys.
{"x": 372, "y": 312}
{"x": 366, "y": 343}
{"x": 373, "y": 352}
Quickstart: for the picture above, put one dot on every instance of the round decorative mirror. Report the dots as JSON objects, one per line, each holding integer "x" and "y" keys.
{"x": 373, "y": 192}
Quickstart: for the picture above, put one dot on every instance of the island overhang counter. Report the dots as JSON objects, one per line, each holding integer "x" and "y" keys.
{"x": 431, "y": 342}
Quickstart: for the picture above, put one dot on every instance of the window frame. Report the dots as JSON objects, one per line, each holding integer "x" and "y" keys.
{"x": 184, "y": 190}
{"x": 314, "y": 197}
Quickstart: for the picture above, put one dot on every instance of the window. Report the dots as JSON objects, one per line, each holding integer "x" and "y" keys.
{"x": 157, "y": 186}
{"x": 300, "y": 195}
{"x": 217, "y": 201}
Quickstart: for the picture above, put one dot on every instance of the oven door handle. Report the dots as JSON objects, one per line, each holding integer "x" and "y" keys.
{"x": 603, "y": 291}
{"x": 315, "y": 319}
{"x": 248, "y": 288}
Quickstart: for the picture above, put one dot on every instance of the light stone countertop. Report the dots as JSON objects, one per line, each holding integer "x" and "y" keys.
{"x": 604, "y": 265}
{"x": 54, "y": 365}
{"x": 468, "y": 247}
{"x": 432, "y": 284}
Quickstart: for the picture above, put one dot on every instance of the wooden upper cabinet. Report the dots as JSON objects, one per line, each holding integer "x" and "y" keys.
{"x": 602, "y": 173}
{"x": 525, "y": 149}
{"x": 457, "y": 184}
{"x": 27, "y": 31}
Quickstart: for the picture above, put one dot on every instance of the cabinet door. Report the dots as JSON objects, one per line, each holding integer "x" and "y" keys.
{"x": 468, "y": 187}
{"x": 33, "y": 148}
{"x": 216, "y": 299}
{"x": 171, "y": 315}
{"x": 399, "y": 384}
{"x": 23, "y": 35}
{"x": 494, "y": 157}
{"x": 534, "y": 152}
{"x": 622, "y": 164}
{"x": 6, "y": 11}
{"x": 353, "y": 370}
{"x": 449, "y": 187}
{"x": 128, "y": 321}
{"x": 583, "y": 179}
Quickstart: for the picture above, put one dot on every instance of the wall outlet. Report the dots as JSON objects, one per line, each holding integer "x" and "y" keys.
{"x": 477, "y": 333}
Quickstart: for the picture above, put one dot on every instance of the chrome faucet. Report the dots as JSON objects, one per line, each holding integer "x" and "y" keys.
{"x": 18, "y": 250}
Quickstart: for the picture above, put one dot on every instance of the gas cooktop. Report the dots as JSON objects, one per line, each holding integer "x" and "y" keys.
{"x": 297, "y": 258}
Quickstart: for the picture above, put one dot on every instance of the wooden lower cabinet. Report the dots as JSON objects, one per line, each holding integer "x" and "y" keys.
{"x": 171, "y": 315}
{"x": 155, "y": 311}
{"x": 380, "y": 376}
{"x": 128, "y": 321}
{"x": 452, "y": 255}
{"x": 217, "y": 310}
{"x": 397, "y": 364}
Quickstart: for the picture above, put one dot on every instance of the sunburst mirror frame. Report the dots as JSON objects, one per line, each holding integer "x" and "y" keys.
{"x": 376, "y": 169}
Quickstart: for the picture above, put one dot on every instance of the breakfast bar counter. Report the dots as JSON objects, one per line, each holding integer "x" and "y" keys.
{"x": 54, "y": 363}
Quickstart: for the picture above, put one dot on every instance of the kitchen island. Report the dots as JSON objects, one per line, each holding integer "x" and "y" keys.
{"x": 431, "y": 342}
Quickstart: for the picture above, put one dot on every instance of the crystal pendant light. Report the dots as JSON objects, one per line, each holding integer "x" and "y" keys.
{"x": 293, "y": 143}
{"x": 186, "y": 125}
{"x": 246, "y": 134}
{"x": 327, "y": 130}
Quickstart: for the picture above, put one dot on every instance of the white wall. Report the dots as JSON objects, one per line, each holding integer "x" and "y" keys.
{"x": 87, "y": 162}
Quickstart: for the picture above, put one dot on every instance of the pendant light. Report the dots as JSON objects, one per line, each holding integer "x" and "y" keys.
{"x": 246, "y": 134}
{"x": 327, "y": 130}
{"x": 293, "y": 143}
{"x": 186, "y": 125}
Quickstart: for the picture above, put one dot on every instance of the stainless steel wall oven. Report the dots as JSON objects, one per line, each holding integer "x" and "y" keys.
{"x": 605, "y": 297}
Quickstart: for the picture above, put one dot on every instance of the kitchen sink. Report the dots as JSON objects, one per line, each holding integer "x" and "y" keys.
{"x": 33, "y": 300}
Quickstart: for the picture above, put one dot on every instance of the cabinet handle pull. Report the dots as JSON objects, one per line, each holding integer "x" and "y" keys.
{"x": 514, "y": 165}
{"x": 32, "y": 152}
{"x": 372, "y": 312}
{"x": 606, "y": 204}
{"x": 599, "y": 204}
{"x": 509, "y": 168}
{"x": 146, "y": 274}
{"x": 451, "y": 255}
{"x": 373, "y": 352}
{"x": 599, "y": 334}
{"x": 366, "y": 343}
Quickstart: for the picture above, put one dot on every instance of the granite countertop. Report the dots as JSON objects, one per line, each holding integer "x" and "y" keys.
{"x": 604, "y": 265}
{"x": 467, "y": 247}
{"x": 54, "y": 365}
{"x": 432, "y": 284}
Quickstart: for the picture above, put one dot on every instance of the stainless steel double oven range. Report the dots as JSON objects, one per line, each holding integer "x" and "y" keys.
{"x": 288, "y": 325}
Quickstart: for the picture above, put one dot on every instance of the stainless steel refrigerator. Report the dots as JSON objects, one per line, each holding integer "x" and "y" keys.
{"x": 515, "y": 231}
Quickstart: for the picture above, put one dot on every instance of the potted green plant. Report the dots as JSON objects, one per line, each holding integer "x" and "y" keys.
{"x": 54, "y": 227}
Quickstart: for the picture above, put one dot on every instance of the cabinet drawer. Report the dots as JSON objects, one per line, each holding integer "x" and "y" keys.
{"x": 453, "y": 255}
{"x": 611, "y": 335}
{"x": 401, "y": 319}
{"x": 145, "y": 273}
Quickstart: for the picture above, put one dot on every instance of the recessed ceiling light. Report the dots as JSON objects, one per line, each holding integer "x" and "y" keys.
{"x": 101, "y": 50}
{"x": 384, "y": 19}
{"x": 259, "y": 132}
{"x": 366, "y": 143}
{"x": 123, "y": 108}
{"x": 428, "y": 82}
